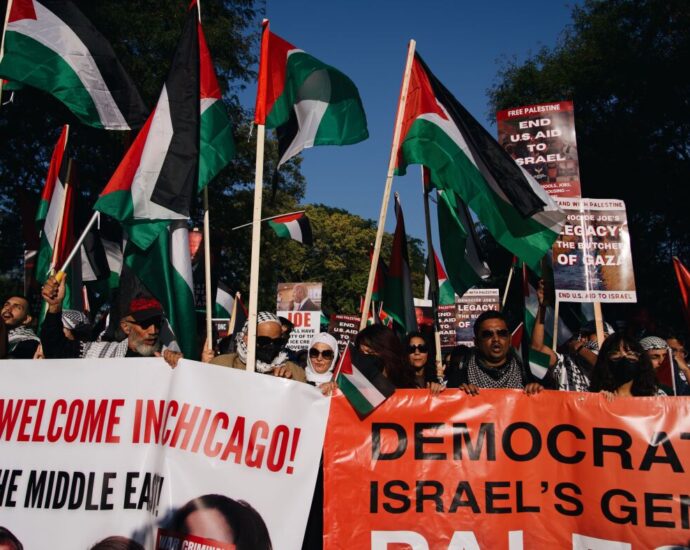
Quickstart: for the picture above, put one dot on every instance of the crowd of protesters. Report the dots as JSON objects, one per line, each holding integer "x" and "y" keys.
{"x": 624, "y": 366}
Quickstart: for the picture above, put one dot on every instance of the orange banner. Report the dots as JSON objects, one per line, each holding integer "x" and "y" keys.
{"x": 507, "y": 470}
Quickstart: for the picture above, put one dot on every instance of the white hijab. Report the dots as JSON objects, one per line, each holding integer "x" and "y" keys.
{"x": 312, "y": 375}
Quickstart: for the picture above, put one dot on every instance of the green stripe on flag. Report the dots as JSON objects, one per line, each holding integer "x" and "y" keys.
{"x": 281, "y": 229}
{"x": 217, "y": 146}
{"x": 353, "y": 395}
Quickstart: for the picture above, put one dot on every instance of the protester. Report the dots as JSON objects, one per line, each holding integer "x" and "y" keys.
{"x": 655, "y": 349}
{"x": 680, "y": 360}
{"x": 321, "y": 362}
{"x": 382, "y": 343}
{"x": 75, "y": 325}
{"x": 22, "y": 341}
{"x": 286, "y": 328}
{"x": 419, "y": 355}
{"x": 3, "y": 338}
{"x": 141, "y": 325}
{"x": 222, "y": 519}
{"x": 270, "y": 359}
{"x": 492, "y": 363}
{"x": 623, "y": 370}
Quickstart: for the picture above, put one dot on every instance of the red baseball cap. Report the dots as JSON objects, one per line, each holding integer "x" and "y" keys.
{"x": 141, "y": 309}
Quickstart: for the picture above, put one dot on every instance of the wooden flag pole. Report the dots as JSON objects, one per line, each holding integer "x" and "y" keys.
{"x": 507, "y": 288}
{"x": 389, "y": 182}
{"x": 60, "y": 274}
{"x": 233, "y": 315}
{"x": 267, "y": 219}
{"x": 599, "y": 322}
{"x": 256, "y": 244}
{"x": 207, "y": 270}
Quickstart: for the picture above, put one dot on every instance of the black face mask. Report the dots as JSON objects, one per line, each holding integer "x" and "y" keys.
{"x": 266, "y": 354}
{"x": 624, "y": 370}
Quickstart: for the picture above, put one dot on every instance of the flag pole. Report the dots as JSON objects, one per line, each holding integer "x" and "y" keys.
{"x": 60, "y": 274}
{"x": 389, "y": 182}
{"x": 207, "y": 248}
{"x": 599, "y": 322}
{"x": 554, "y": 341}
{"x": 267, "y": 219}
{"x": 510, "y": 278}
{"x": 433, "y": 274}
{"x": 233, "y": 315}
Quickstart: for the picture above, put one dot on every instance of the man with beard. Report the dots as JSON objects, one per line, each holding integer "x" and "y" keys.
{"x": 492, "y": 363}
{"x": 141, "y": 324}
{"x": 270, "y": 357}
{"x": 21, "y": 339}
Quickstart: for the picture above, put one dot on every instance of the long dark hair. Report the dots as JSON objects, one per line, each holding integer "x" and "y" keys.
{"x": 644, "y": 382}
{"x": 8, "y": 538}
{"x": 389, "y": 350}
{"x": 248, "y": 526}
{"x": 430, "y": 365}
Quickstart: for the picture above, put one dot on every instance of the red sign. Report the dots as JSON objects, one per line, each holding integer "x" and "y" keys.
{"x": 506, "y": 470}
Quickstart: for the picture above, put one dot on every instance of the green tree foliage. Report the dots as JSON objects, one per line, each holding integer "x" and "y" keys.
{"x": 623, "y": 63}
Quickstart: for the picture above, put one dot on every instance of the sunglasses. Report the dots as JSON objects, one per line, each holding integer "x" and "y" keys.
{"x": 502, "y": 333}
{"x": 146, "y": 323}
{"x": 421, "y": 348}
{"x": 267, "y": 341}
{"x": 326, "y": 354}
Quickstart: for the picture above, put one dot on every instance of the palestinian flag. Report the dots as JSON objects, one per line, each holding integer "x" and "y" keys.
{"x": 52, "y": 178}
{"x": 379, "y": 277}
{"x": 225, "y": 301}
{"x": 308, "y": 102}
{"x": 683, "y": 277}
{"x": 166, "y": 271}
{"x": 461, "y": 155}
{"x": 446, "y": 294}
{"x": 217, "y": 146}
{"x": 398, "y": 300}
{"x": 362, "y": 383}
{"x": 159, "y": 175}
{"x": 50, "y": 45}
{"x": 293, "y": 226}
{"x": 460, "y": 246}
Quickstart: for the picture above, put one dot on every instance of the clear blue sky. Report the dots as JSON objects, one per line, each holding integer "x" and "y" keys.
{"x": 463, "y": 43}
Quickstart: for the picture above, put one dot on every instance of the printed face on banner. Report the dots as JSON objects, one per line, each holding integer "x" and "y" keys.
{"x": 541, "y": 139}
{"x": 592, "y": 260}
{"x": 171, "y": 459}
{"x": 301, "y": 304}
{"x": 470, "y": 306}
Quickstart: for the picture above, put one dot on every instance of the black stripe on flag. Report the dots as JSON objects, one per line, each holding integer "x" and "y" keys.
{"x": 493, "y": 161}
{"x": 117, "y": 80}
{"x": 177, "y": 181}
{"x": 305, "y": 228}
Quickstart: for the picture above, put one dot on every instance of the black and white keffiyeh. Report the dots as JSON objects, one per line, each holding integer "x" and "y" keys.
{"x": 241, "y": 347}
{"x": 20, "y": 334}
{"x": 509, "y": 375}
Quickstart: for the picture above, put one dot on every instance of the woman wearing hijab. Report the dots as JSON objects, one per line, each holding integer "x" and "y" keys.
{"x": 321, "y": 361}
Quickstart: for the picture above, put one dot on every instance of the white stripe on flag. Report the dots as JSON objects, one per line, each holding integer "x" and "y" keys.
{"x": 224, "y": 299}
{"x": 52, "y": 222}
{"x": 365, "y": 387}
{"x": 295, "y": 230}
{"x": 50, "y": 31}
{"x": 180, "y": 257}
{"x": 206, "y": 102}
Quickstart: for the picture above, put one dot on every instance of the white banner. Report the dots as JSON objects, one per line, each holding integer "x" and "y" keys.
{"x": 128, "y": 447}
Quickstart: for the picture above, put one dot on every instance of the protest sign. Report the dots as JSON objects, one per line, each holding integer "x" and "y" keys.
{"x": 128, "y": 447}
{"x": 446, "y": 321}
{"x": 592, "y": 260}
{"x": 541, "y": 139}
{"x": 301, "y": 304}
{"x": 506, "y": 470}
{"x": 343, "y": 328}
{"x": 470, "y": 306}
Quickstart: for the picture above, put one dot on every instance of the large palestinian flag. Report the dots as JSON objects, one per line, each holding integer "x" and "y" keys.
{"x": 293, "y": 226}
{"x": 308, "y": 102}
{"x": 50, "y": 45}
{"x": 463, "y": 157}
{"x": 166, "y": 271}
{"x": 159, "y": 174}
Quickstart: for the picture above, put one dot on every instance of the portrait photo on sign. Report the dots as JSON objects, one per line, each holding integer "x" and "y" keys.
{"x": 299, "y": 297}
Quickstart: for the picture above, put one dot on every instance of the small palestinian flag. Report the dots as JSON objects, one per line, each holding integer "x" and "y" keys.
{"x": 50, "y": 45}
{"x": 362, "y": 383}
{"x": 308, "y": 102}
{"x": 225, "y": 300}
{"x": 446, "y": 294}
{"x": 293, "y": 226}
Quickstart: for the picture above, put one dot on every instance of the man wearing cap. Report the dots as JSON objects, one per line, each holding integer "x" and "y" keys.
{"x": 270, "y": 356}
{"x": 141, "y": 324}
{"x": 22, "y": 341}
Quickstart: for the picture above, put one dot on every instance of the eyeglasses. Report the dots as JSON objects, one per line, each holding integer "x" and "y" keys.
{"x": 421, "y": 348}
{"x": 501, "y": 333}
{"x": 267, "y": 341}
{"x": 326, "y": 354}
